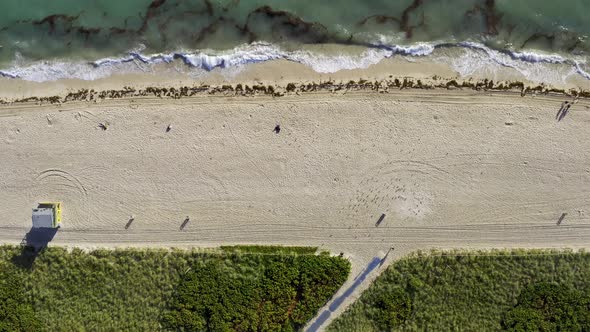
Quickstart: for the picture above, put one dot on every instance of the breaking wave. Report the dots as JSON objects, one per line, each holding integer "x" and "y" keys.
{"x": 475, "y": 57}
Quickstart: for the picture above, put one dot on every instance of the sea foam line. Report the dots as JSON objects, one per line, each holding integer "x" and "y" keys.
{"x": 526, "y": 56}
{"x": 261, "y": 52}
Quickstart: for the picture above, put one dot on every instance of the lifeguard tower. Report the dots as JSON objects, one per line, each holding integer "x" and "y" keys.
{"x": 47, "y": 215}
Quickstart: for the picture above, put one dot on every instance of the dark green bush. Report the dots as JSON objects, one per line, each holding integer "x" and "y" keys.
{"x": 550, "y": 307}
{"x": 16, "y": 312}
{"x": 469, "y": 291}
{"x": 284, "y": 295}
{"x": 394, "y": 308}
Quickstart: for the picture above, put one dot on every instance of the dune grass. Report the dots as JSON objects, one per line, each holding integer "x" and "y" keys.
{"x": 473, "y": 291}
{"x": 137, "y": 289}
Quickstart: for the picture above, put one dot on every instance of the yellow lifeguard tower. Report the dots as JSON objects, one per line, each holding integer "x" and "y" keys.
{"x": 47, "y": 215}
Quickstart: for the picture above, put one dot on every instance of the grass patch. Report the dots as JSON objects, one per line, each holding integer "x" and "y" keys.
{"x": 476, "y": 291}
{"x": 141, "y": 289}
{"x": 16, "y": 313}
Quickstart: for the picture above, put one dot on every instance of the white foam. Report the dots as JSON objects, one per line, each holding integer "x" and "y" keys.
{"x": 420, "y": 49}
{"x": 581, "y": 71}
{"x": 253, "y": 53}
{"x": 260, "y": 52}
{"x": 538, "y": 57}
{"x": 333, "y": 63}
{"x": 8, "y": 74}
{"x": 477, "y": 58}
{"x": 55, "y": 70}
{"x": 501, "y": 57}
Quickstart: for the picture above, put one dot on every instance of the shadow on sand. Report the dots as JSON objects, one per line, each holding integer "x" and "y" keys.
{"x": 184, "y": 223}
{"x": 563, "y": 110}
{"x": 32, "y": 245}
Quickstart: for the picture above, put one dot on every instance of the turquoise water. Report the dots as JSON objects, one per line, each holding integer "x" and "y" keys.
{"x": 102, "y": 31}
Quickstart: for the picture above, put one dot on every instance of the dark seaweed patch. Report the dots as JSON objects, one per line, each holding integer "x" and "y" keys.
{"x": 490, "y": 16}
{"x": 403, "y": 22}
{"x": 293, "y": 26}
{"x": 52, "y": 20}
{"x": 383, "y": 86}
{"x": 536, "y": 36}
{"x": 150, "y": 13}
{"x": 209, "y": 6}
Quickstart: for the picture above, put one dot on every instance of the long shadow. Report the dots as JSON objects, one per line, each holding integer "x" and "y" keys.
{"x": 380, "y": 220}
{"x": 563, "y": 110}
{"x": 32, "y": 245}
{"x": 560, "y": 220}
{"x": 325, "y": 315}
{"x": 184, "y": 223}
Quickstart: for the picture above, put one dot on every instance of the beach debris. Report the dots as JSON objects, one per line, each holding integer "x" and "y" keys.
{"x": 168, "y": 128}
{"x": 277, "y": 129}
{"x": 103, "y": 125}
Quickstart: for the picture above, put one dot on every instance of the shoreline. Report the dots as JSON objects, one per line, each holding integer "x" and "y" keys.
{"x": 466, "y": 59}
{"x": 280, "y": 76}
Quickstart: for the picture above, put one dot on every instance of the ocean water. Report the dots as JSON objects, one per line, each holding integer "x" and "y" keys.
{"x": 46, "y": 40}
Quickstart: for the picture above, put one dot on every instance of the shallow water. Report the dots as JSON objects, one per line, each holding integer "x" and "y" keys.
{"x": 220, "y": 33}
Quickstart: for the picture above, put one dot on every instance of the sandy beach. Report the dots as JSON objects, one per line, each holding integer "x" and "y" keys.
{"x": 447, "y": 168}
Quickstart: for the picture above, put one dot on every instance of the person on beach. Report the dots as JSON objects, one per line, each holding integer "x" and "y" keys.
{"x": 563, "y": 110}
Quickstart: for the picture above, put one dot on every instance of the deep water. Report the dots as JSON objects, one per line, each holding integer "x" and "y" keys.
{"x": 221, "y": 33}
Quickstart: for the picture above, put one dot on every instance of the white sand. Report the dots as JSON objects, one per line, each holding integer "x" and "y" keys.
{"x": 457, "y": 169}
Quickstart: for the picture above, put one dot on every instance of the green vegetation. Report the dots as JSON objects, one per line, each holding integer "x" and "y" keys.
{"x": 550, "y": 307}
{"x": 282, "y": 297}
{"x": 517, "y": 290}
{"x": 16, "y": 313}
{"x": 136, "y": 289}
{"x": 394, "y": 308}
